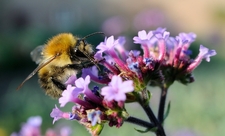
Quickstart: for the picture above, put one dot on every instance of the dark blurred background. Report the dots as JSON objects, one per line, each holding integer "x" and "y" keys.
{"x": 196, "y": 109}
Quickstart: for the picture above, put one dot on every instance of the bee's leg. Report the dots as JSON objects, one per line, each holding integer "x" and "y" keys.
{"x": 81, "y": 65}
{"x": 59, "y": 84}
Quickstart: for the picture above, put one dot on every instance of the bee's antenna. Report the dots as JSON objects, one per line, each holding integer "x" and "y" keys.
{"x": 91, "y": 35}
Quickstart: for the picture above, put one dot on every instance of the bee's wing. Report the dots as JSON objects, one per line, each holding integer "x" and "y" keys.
{"x": 37, "y": 54}
{"x": 41, "y": 65}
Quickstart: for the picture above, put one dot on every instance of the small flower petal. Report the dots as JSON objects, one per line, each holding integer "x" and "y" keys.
{"x": 56, "y": 114}
{"x": 205, "y": 53}
{"x": 108, "y": 44}
{"x": 69, "y": 95}
{"x": 83, "y": 83}
{"x": 71, "y": 80}
{"x": 35, "y": 121}
{"x": 94, "y": 116}
{"x": 117, "y": 89}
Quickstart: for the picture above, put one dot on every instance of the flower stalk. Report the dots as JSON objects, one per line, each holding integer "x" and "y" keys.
{"x": 162, "y": 104}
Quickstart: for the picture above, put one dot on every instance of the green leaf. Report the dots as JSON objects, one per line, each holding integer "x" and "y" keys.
{"x": 147, "y": 130}
{"x": 167, "y": 111}
{"x": 96, "y": 130}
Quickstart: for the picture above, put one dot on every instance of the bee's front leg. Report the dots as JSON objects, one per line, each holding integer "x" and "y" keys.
{"x": 81, "y": 65}
{"x": 60, "y": 85}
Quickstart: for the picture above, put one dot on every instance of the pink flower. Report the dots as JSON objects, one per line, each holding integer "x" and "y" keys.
{"x": 143, "y": 37}
{"x": 82, "y": 83}
{"x": 71, "y": 80}
{"x": 32, "y": 127}
{"x": 108, "y": 44}
{"x": 65, "y": 131}
{"x": 68, "y": 95}
{"x": 58, "y": 114}
{"x": 117, "y": 89}
{"x": 204, "y": 53}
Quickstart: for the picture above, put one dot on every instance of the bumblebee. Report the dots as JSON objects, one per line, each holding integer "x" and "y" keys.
{"x": 62, "y": 56}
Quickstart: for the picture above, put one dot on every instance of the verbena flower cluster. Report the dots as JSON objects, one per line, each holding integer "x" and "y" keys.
{"x": 33, "y": 128}
{"x": 125, "y": 76}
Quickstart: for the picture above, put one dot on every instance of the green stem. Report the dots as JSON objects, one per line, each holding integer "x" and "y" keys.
{"x": 139, "y": 122}
{"x": 162, "y": 104}
{"x": 144, "y": 102}
{"x": 160, "y": 131}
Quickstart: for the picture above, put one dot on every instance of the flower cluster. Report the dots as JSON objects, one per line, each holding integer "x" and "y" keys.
{"x": 126, "y": 75}
{"x": 91, "y": 107}
{"x": 33, "y": 128}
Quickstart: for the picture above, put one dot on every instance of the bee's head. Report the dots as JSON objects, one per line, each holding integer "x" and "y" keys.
{"x": 83, "y": 47}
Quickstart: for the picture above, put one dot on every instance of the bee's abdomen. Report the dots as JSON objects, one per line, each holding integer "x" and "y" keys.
{"x": 49, "y": 86}
{"x": 53, "y": 82}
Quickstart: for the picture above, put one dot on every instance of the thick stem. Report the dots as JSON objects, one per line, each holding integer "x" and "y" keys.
{"x": 140, "y": 122}
{"x": 160, "y": 131}
{"x": 162, "y": 104}
{"x": 144, "y": 97}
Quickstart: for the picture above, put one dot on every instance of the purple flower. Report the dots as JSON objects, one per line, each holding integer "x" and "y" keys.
{"x": 58, "y": 114}
{"x": 34, "y": 121}
{"x": 65, "y": 131}
{"x": 68, "y": 95}
{"x": 143, "y": 37}
{"x": 120, "y": 48}
{"x": 117, "y": 89}
{"x": 190, "y": 37}
{"x": 71, "y": 80}
{"x": 71, "y": 93}
{"x": 108, "y": 47}
{"x": 134, "y": 53}
{"x": 82, "y": 83}
{"x": 50, "y": 132}
{"x": 161, "y": 33}
{"x": 98, "y": 56}
{"x": 32, "y": 127}
{"x": 94, "y": 116}
{"x": 109, "y": 59}
{"x": 91, "y": 71}
{"x": 108, "y": 44}
{"x": 204, "y": 53}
